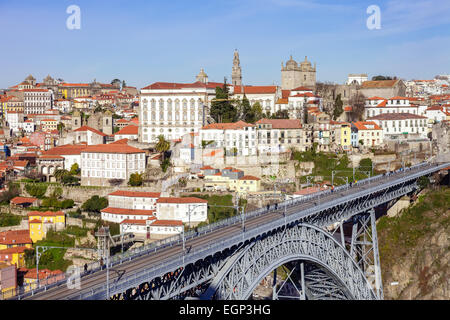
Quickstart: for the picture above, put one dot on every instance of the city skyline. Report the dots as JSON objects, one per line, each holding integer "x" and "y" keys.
{"x": 133, "y": 43}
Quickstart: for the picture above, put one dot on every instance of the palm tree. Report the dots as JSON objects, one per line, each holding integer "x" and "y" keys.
{"x": 60, "y": 173}
{"x": 162, "y": 145}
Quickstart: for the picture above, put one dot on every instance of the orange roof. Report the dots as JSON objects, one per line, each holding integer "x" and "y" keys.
{"x": 207, "y": 168}
{"x": 48, "y": 156}
{"x": 283, "y": 101}
{"x": 128, "y": 130}
{"x": 379, "y": 84}
{"x": 134, "y": 212}
{"x": 137, "y": 221}
{"x": 169, "y": 85}
{"x": 112, "y": 148}
{"x": 15, "y": 237}
{"x": 249, "y": 178}
{"x": 35, "y": 221}
{"x": 68, "y": 149}
{"x": 255, "y": 89}
{"x": 13, "y": 250}
{"x": 181, "y": 200}
{"x": 43, "y": 274}
{"x": 282, "y": 123}
{"x": 135, "y": 194}
{"x": 166, "y": 223}
{"x": 45, "y": 214}
{"x": 22, "y": 200}
{"x": 399, "y": 98}
{"x": 376, "y": 98}
{"x": 364, "y": 125}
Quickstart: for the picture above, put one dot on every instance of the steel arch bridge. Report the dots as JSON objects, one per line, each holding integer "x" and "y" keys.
{"x": 329, "y": 237}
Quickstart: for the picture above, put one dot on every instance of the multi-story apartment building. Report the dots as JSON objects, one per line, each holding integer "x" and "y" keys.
{"x": 100, "y": 163}
{"x": 279, "y": 135}
{"x": 174, "y": 109}
{"x": 366, "y": 133}
{"x": 37, "y": 101}
{"x": 188, "y": 210}
{"x": 133, "y": 200}
{"x": 401, "y": 125}
{"x": 237, "y": 138}
{"x": 377, "y": 105}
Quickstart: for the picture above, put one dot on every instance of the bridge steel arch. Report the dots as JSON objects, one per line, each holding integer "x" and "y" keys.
{"x": 190, "y": 274}
{"x": 243, "y": 272}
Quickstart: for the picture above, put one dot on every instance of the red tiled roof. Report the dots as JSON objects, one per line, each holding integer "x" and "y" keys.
{"x": 255, "y": 89}
{"x": 112, "y": 148}
{"x": 15, "y": 237}
{"x": 379, "y": 84}
{"x": 207, "y": 168}
{"x": 13, "y": 250}
{"x": 135, "y": 194}
{"x": 67, "y": 149}
{"x": 363, "y": 125}
{"x": 134, "y": 212}
{"x": 181, "y": 200}
{"x": 45, "y": 214}
{"x": 282, "y": 123}
{"x": 35, "y": 221}
{"x": 168, "y": 85}
{"x": 166, "y": 223}
{"x": 128, "y": 130}
{"x": 22, "y": 200}
{"x": 249, "y": 178}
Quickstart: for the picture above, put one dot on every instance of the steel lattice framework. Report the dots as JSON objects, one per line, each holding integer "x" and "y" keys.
{"x": 332, "y": 267}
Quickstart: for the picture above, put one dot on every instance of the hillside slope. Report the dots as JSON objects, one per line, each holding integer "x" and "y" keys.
{"x": 414, "y": 249}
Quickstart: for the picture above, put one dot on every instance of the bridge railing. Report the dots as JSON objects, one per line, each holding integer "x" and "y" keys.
{"x": 176, "y": 240}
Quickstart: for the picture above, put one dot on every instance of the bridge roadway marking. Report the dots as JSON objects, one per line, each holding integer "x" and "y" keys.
{"x": 158, "y": 257}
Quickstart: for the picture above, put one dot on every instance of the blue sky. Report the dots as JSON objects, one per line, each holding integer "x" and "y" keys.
{"x": 147, "y": 41}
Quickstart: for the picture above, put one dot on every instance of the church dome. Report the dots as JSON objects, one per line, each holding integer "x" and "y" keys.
{"x": 291, "y": 63}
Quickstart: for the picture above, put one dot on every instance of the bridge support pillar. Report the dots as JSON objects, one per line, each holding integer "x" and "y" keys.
{"x": 364, "y": 249}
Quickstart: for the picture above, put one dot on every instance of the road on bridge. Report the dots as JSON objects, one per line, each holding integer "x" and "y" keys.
{"x": 167, "y": 254}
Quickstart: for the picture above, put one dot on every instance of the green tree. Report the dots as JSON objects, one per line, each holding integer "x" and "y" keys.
{"x": 280, "y": 114}
{"x": 70, "y": 180}
{"x": 135, "y": 180}
{"x": 95, "y": 204}
{"x": 257, "y": 111}
{"x": 162, "y": 146}
{"x": 60, "y": 173}
{"x": 75, "y": 169}
{"x": 221, "y": 108}
{"x": 365, "y": 163}
{"x": 338, "y": 107}
{"x": 246, "y": 111}
{"x": 36, "y": 190}
{"x": 423, "y": 182}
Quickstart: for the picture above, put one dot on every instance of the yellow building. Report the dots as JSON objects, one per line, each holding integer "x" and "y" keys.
{"x": 346, "y": 136}
{"x": 14, "y": 256}
{"x": 248, "y": 184}
{"x": 49, "y": 125}
{"x": 41, "y": 222}
{"x": 15, "y": 238}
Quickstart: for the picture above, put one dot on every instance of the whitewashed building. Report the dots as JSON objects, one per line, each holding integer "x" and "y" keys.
{"x": 188, "y": 210}
{"x": 267, "y": 96}
{"x": 377, "y": 105}
{"x": 117, "y": 215}
{"x": 174, "y": 109}
{"x": 133, "y": 200}
{"x": 279, "y": 135}
{"x": 401, "y": 125}
{"x": 100, "y": 163}
{"x": 238, "y": 138}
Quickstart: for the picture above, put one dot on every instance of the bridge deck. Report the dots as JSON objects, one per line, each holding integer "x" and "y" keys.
{"x": 155, "y": 258}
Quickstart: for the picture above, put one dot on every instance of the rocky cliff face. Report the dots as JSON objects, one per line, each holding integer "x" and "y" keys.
{"x": 414, "y": 249}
